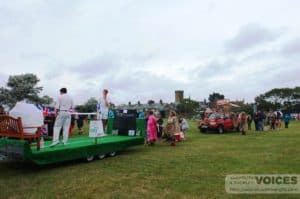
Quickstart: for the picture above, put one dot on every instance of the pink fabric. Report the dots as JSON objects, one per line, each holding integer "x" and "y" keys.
{"x": 151, "y": 129}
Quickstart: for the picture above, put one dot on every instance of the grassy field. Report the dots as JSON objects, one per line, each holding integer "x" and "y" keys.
{"x": 193, "y": 169}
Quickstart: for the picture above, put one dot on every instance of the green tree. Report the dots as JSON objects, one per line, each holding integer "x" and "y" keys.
{"x": 150, "y": 102}
{"x": 20, "y": 87}
{"x": 89, "y": 106}
{"x": 245, "y": 107}
{"x": 47, "y": 100}
{"x": 215, "y": 97}
{"x": 187, "y": 107}
{"x": 263, "y": 104}
{"x": 279, "y": 98}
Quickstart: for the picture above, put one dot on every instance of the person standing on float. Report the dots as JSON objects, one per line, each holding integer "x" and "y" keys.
{"x": 105, "y": 104}
{"x": 63, "y": 107}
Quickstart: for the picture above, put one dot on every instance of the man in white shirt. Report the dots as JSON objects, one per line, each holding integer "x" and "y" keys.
{"x": 63, "y": 119}
{"x": 105, "y": 104}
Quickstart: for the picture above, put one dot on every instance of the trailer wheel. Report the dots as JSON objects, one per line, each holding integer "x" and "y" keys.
{"x": 89, "y": 158}
{"x": 101, "y": 156}
{"x": 112, "y": 154}
{"x": 3, "y": 157}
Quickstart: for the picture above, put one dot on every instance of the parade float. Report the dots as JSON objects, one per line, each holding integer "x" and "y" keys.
{"x": 16, "y": 142}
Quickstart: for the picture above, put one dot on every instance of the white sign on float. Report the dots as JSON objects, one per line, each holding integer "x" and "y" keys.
{"x": 131, "y": 132}
{"x": 96, "y": 129}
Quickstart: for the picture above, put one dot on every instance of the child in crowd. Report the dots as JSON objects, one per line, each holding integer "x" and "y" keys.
{"x": 184, "y": 126}
{"x": 287, "y": 118}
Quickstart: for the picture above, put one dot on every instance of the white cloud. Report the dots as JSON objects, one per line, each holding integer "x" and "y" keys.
{"x": 144, "y": 50}
{"x": 292, "y": 48}
{"x": 250, "y": 36}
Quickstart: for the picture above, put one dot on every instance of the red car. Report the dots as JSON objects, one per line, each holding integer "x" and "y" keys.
{"x": 219, "y": 122}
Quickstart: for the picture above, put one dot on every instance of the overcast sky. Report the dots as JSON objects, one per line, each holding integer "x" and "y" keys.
{"x": 146, "y": 49}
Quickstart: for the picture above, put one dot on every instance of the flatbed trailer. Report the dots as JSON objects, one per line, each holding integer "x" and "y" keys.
{"x": 76, "y": 148}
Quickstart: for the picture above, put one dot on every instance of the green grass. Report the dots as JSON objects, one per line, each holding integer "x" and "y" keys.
{"x": 193, "y": 169}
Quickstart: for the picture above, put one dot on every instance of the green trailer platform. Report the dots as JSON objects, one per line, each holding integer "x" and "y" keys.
{"x": 77, "y": 147}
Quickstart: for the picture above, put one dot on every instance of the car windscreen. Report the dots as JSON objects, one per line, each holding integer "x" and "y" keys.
{"x": 216, "y": 116}
{"x": 220, "y": 116}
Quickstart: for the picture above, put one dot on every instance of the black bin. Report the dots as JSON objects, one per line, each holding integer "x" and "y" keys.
{"x": 125, "y": 122}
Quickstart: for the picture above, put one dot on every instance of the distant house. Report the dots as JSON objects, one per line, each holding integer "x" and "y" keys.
{"x": 163, "y": 108}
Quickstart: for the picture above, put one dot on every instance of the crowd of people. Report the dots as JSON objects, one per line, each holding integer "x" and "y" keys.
{"x": 242, "y": 122}
{"x": 263, "y": 121}
{"x": 174, "y": 130}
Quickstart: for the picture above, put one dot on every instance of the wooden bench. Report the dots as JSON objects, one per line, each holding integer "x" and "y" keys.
{"x": 13, "y": 128}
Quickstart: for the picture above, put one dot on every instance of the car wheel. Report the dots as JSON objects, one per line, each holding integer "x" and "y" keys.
{"x": 3, "y": 157}
{"x": 220, "y": 130}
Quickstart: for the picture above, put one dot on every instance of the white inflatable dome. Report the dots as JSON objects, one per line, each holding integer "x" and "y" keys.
{"x": 30, "y": 115}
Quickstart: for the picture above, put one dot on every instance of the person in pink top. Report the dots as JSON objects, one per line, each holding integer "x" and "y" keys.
{"x": 151, "y": 129}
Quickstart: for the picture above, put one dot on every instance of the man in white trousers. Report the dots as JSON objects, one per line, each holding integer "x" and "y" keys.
{"x": 63, "y": 107}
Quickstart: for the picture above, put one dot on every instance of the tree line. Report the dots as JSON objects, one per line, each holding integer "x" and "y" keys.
{"x": 25, "y": 86}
